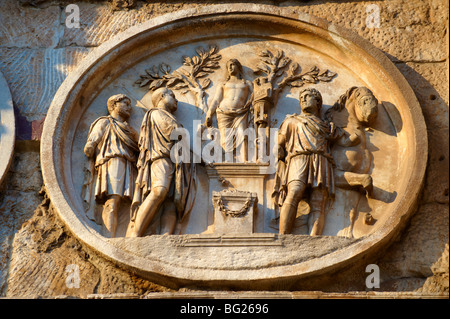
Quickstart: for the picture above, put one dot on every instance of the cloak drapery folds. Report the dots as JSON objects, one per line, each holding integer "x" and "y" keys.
{"x": 116, "y": 148}
{"x": 155, "y": 144}
{"x": 307, "y": 146}
{"x": 232, "y": 126}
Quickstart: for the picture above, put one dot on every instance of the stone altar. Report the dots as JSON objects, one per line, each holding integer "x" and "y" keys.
{"x": 234, "y": 212}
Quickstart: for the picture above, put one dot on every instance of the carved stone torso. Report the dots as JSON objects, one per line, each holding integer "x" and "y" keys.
{"x": 235, "y": 96}
{"x": 305, "y": 134}
{"x": 155, "y": 134}
{"x": 114, "y": 139}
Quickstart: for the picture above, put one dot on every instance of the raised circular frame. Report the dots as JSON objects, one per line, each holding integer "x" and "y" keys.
{"x": 131, "y": 46}
{"x": 7, "y": 128}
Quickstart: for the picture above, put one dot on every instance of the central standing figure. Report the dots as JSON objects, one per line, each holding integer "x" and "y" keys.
{"x": 231, "y": 103}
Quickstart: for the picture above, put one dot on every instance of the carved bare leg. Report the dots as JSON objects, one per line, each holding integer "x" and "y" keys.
{"x": 287, "y": 218}
{"x": 110, "y": 214}
{"x": 368, "y": 185}
{"x": 240, "y": 147}
{"x": 318, "y": 221}
{"x": 351, "y": 180}
{"x": 147, "y": 211}
{"x": 168, "y": 218}
{"x": 318, "y": 213}
{"x": 289, "y": 209}
{"x": 353, "y": 216}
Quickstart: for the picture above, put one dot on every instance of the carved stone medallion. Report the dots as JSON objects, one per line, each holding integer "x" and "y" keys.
{"x": 7, "y": 128}
{"x": 234, "y": 145}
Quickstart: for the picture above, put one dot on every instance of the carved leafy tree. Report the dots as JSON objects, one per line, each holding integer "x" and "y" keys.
{"x": 277, "y": 66}
{"x": 193, "y": 77}
{"x": 272, "y": 65}
{"x": 313, "y": 76}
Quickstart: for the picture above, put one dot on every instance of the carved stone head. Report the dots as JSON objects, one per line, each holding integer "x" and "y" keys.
{"x": 165, "y": 98}
{"x": 310, "y": 101}
{"x": 234, "y": 67}
{"x": 119, "y": 104}
{"x": 366, "y": 106}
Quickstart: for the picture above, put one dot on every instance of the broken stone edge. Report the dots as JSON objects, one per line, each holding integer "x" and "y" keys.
{"x": 175, "y": 276}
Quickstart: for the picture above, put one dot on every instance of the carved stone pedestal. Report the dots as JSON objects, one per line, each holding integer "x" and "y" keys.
{"x": 234, "y": 212}
{"x": 244, "y": 178}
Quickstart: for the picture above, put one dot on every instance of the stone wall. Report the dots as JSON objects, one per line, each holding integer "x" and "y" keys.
{"x": 37, "y": 51}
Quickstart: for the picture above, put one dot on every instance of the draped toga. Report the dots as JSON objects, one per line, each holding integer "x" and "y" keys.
{"x": 155, "y": 167}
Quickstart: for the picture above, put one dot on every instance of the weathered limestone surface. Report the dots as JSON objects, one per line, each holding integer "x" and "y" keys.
{"x": 37, "y": 52}
{"x": 19, "y": 199}
{"x": 42, "y": 253}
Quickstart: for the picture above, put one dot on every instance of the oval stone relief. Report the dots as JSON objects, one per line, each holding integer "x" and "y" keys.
{"x": 234, "y": 146}
{"x": 7, "y": 128}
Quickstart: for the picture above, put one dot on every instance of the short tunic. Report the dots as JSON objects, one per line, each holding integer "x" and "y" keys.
{"x": 307, "y": 145}
{"x": 116, "y": 158}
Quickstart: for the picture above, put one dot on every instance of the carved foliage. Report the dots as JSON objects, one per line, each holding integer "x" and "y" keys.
{"x": 191, "y": 78}
{"x": 278, "y": 66}
{"x": 234, "y": 213}
{"x": 233, "y": 195}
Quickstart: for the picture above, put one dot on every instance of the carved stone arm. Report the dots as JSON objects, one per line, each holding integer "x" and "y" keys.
{"x": 341, "y": 137}
{"x": 281, "y": 145}
{"x": 95, "y": 136}
{"x": 354, "y": 139}
{"x": 348, "y": 140}
{"x": 250, "y": 97}
{"x": 212, "y": 109}
{"x": 89, "y": 149}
